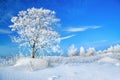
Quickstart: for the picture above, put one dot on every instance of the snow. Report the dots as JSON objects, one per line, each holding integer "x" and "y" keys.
{"x": 31, "y": 64}
{"x": 81, "y": 71}
{"x": 97, "y": 67}
{"x": 109, "y": 60}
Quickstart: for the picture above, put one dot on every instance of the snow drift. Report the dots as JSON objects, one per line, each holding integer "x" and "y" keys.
{"x": 31, "y": 64}
{"x": 109, "y": 60}
{"x": 96, "y": 67}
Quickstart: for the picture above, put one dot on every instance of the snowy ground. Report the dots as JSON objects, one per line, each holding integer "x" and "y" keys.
{"x": 82, "y": 71}
{"x": 68, "y": 68}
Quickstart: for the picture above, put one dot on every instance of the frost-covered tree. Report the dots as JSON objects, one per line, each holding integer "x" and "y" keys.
{"x": 110, "y": 49}
{"x": 35, "y": 29}
{"x": 82, "y": 51}
{"x": 99, "y": 52}
{"x": 90, "y": 51}
{"x": 114, "y": 49}
{"x": 72, "y": 51}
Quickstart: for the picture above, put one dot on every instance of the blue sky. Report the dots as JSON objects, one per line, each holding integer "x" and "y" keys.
{"x": 87, "y": 23}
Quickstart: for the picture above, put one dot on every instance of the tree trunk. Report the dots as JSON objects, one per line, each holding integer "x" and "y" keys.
{"x": 33, "y": 51}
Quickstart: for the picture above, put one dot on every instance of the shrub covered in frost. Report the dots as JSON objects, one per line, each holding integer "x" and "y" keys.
{"x": 31, "y": 64}
{"x": 90, "y": 51}
{"x": 72, "y": 51}
{"x": 114, "y": 49}
{"x": 82, "y": 51}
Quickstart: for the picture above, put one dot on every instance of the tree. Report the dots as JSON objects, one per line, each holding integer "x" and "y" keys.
{"x": 72, "y": 51}
{"x": 35, "y": 28}
{"x": 82, "y": 51}
{"x": 90, "y": 51}
{"x": 110, "y": 49}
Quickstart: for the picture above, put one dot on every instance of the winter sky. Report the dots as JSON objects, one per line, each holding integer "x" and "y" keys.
{"x": 87, "y": 23}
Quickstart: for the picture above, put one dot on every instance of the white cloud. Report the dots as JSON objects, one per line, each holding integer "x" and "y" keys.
{"x": 3, "y": 31}
{"x": 5, "y": 17}
{"x": 76, "y": 29}
{"x": 81, "y": 29}
{"x": 95, "y": 27}
{"x": 100, "y": 41}
{"x": 67, "y": 37}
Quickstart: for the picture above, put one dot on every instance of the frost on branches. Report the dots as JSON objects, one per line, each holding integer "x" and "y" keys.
{"x": 82, "y": 51}
{"x": 90, "y": 52}
{"x": 35, "y": 29}
{"x": 72, "y": 51}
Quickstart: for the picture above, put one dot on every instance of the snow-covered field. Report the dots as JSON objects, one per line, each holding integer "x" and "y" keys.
{"x": 82, "y": 71}
{"x": 99, "y": 67}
